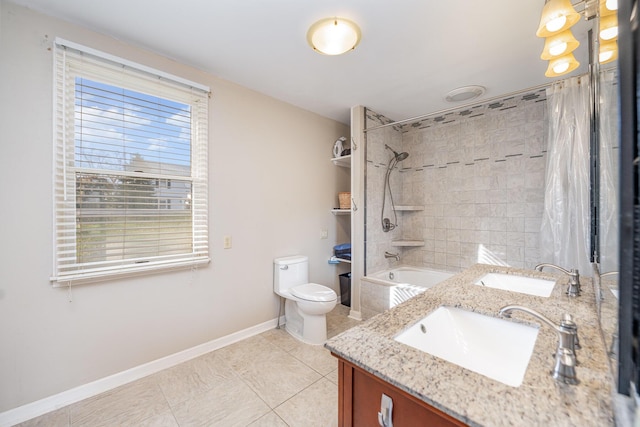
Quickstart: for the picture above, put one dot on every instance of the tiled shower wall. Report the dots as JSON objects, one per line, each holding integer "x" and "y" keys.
{"x": 479, "y": 173}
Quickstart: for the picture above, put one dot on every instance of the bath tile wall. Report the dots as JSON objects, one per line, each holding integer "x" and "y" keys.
{"x": 479, "y": 174}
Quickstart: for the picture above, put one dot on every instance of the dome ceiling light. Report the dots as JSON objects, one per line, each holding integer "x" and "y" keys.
{"x": 334, "y": 36}
{"x": 465, "y": 93}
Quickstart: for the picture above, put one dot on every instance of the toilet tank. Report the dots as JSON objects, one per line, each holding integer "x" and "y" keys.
{"x": 290, "y": 271}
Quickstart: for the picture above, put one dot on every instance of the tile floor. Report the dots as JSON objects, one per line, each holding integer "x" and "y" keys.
{"x": 270, "y": 379}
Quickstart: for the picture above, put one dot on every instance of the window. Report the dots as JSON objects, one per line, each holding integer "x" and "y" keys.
{"x": 130, "y": 188}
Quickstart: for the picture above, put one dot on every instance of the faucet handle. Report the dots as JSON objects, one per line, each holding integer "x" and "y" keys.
{"x": 570, "y": 326}
{"x": 573, "y": 289}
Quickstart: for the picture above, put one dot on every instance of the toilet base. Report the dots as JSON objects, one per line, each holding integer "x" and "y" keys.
{"x": 308, "y": 328}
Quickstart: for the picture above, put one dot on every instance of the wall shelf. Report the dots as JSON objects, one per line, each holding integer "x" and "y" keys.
{"x": 407, "y": 243}
{"x": 343, "y": 161}
{"x": 341, "y": 211}
{"x": 336, "y": 260}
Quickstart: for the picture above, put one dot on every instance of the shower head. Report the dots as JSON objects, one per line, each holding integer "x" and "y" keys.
{"x": 399, "y": 156}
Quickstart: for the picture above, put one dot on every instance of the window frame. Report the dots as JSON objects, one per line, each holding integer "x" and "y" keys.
{"x": 72, "y": 60}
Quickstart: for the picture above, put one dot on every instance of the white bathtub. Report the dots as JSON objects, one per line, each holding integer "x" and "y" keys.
{"x": 385, "y": 289}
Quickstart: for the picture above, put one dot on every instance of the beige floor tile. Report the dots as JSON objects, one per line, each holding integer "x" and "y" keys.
{"x": 214, "y": 369}
{"x": 57, "y": 418}
{"x": 270, "y": 420}
{"x": 333, "y": 376}
{"x": 276, "y": 376}
{"x": 180, "y": 383}
{"x": 316, "y": 406}
{"x": 281, "y": 339}
{"x": 338, "y": 321}
{"x": 126, "y": 405}
{"x": 163, "y": 419}
{"x": 236, "y": 385}
{"x": 245, "y": 351}
{"x": 316, "y": 357}
{"x": 231, "y": 404}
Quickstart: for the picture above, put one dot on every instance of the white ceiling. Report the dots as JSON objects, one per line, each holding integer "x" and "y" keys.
{"x": 411, "y": 54}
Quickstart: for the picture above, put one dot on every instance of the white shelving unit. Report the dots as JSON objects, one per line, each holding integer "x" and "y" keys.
{"x": 345, "y": 162}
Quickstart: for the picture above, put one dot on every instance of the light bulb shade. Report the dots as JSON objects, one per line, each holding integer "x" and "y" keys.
{"x": 608, "y": 52}
{"x": 611, "y": 5}
{"x": 557, "y": 16}
{"x": 333, "y": 36}
{"x": 559, "y": 44}
{"x": 607, "y": 7}
{"x": 609, "y": 27}
{"x": 562, "y": 65}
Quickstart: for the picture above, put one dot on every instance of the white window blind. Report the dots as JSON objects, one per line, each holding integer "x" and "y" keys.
{"x": 130, "y": 184}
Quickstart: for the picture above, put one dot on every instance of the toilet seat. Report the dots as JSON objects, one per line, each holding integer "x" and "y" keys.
{"x": 313, "y": 292}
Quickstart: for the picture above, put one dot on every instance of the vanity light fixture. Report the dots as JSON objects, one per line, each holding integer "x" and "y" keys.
{"x": 609, "y": 27}
{"x": 557, "y": 16}
{"x": 559, "y": 44}
{"x": 562, "y": 65}
{"x": 334, "y": 36}
{"x": 608, "y": 51}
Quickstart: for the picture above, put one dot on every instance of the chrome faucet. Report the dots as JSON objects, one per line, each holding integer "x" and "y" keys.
{"x": 390, "y": 255}
{"x": 573, "y": 290}
{"x": 564, "y": 370}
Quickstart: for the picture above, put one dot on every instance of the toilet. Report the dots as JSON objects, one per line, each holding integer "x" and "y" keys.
{"x": 306, "y": 304}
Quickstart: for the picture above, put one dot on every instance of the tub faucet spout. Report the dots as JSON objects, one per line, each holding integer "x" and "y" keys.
{"x": 573, "y": 290}
{"x": 564, "y": 370}
{"x": 390, "y": 255}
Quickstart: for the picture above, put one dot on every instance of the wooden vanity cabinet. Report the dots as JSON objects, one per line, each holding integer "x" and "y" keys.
{"x": 359, "y": 398}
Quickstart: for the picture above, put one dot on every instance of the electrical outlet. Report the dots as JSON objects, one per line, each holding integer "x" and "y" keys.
{"x": 324, "y": 234}
{"x": 227, "y": 242}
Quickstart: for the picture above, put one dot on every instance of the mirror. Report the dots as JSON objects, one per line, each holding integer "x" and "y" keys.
{"x": 607, "y": 206}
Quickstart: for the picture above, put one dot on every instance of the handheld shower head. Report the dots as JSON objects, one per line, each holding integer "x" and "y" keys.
{"x": 399, "y": 156}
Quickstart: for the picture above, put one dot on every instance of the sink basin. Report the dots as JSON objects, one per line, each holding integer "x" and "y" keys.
{"x": 521, "y": 284}
{"x": 496, "y": 348}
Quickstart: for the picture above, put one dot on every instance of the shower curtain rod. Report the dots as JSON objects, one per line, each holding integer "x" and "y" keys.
{"x": 470, "y": 105}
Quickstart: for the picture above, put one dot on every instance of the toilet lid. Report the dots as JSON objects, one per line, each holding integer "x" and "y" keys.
{"x": 314, "y": 292}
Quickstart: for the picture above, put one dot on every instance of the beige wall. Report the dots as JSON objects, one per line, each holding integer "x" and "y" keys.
{"x": 271, "y": 189}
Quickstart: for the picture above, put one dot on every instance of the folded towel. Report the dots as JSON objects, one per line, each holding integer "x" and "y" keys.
{"x": 342, "y": 247}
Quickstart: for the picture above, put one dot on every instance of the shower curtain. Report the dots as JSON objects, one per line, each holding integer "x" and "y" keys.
{"x": 609, "y": 152}
{"x": 565, "y": 230}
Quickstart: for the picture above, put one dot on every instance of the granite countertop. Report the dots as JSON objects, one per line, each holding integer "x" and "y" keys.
{"x": 473, "y": 398}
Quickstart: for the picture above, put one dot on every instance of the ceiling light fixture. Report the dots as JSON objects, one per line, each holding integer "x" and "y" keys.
{"x": 464, "y": 93}
{"x": 334, "y": 36}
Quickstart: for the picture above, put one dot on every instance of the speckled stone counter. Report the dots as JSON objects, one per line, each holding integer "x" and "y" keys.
{"x": 473, "y": 398}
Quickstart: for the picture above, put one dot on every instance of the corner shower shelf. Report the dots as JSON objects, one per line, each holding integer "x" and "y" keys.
{"x": 336, "y": 260}
{"x": 407, "y": 243}
{"x": 341, "y": 211}
{"x": 344, "y": 161}
{"x": 409, "y": 208}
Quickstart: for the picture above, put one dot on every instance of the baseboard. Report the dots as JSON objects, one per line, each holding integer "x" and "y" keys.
{"x": 60, "y": 400}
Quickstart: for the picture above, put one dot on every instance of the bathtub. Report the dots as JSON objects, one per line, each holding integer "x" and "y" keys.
{"x": 385, "y": 289}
